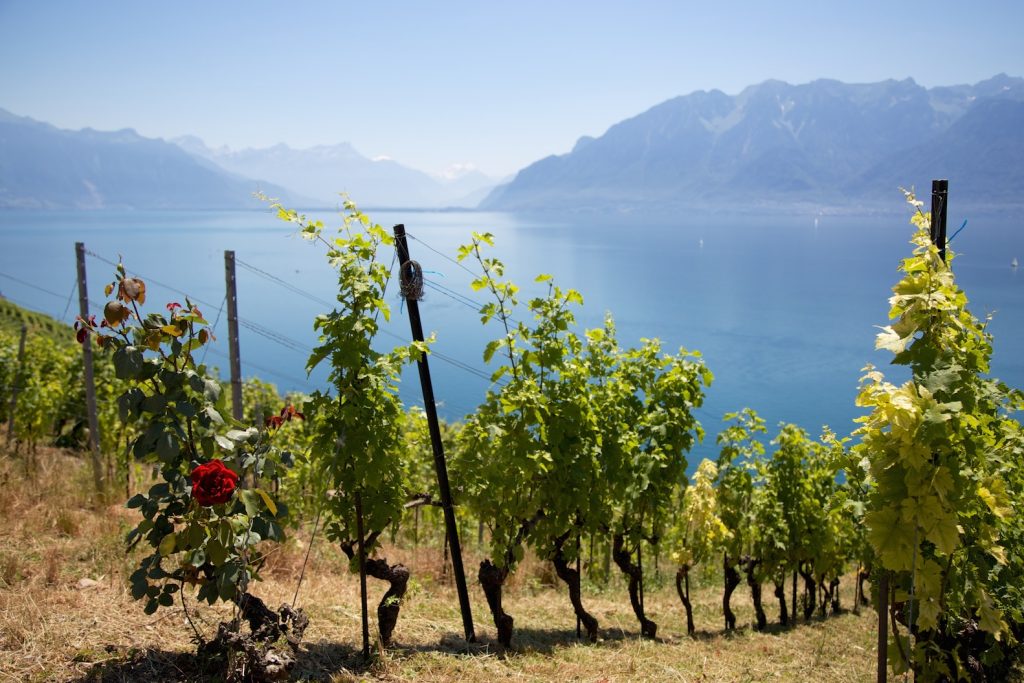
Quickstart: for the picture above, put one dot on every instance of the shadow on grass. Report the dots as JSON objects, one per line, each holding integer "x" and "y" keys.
{"x": 144, "y": 665}
{"x": 318, "y": 661}
{"x": 324, "y": 659}
{"x": 315, "y": 661}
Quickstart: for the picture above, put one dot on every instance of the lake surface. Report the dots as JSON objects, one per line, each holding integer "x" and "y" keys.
{"x": 783, "y": 309}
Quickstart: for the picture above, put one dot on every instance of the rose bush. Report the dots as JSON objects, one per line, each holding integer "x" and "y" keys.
{"x": 176, "y": 412}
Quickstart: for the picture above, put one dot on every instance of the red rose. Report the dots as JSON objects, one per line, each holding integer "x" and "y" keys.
{"x": 213, "y": 483}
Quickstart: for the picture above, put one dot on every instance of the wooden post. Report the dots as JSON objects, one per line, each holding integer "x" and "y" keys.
{"x": 233, "y": 355}
{"x": 15, "y": 384}
{"x": 90, "y": 381}
{"x": 940, "y": 202}
{"x": 362, "y": 576}
{"x": 440, "y": 465}
{"x": 883, "y": 624}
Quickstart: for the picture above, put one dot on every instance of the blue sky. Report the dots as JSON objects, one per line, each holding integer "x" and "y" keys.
{"x": 433, "y": 84}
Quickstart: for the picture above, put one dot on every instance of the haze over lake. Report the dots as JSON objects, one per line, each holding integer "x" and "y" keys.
{"x": 782, "y": 309}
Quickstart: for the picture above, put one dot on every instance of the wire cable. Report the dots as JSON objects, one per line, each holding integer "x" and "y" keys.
{"x": 289, "y": 342}
{"x": 71, "y": 294}
{"x": 453, "y": 295}
{"x": 33, "y": 286}
{"x": 154, "y": 281}
{"x": 283, "y": 283}
{"x": 213, "y": 328}
{"x": 443, "y": 255}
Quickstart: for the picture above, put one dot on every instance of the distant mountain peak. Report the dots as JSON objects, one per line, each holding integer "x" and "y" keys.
{"x": 771, "y": 144}
{"x": 324, "y": 171}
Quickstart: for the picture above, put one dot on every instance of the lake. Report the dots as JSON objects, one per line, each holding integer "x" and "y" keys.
{"x": 783, "y": 309}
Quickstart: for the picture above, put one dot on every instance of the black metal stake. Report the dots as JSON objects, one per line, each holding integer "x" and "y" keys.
{"x": 940, "y": 202}
{"x": 440, "y": 465}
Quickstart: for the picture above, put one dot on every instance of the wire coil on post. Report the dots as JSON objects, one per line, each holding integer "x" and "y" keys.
{"x": 411, "y": 280}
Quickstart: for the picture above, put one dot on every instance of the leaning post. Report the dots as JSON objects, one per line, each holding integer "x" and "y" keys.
{"x": 409, "y": 270}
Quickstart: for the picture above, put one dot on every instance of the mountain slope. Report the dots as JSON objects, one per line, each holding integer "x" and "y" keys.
{"x": 44, "y": 167}
{"x": 982, "y": 154}
{"x": 772, "y": 144}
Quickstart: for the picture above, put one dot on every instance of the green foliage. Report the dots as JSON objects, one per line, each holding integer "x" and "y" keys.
{"x": 942, "y": 449}
{"x": 51, "y": 401}
{"x": 788, "y": 510}
{"x": 357, "y": 433}
{"x": 44, "y": 402}
{"x": 421, "y": 472}
{"x": 699, "y": 531}
{"x": 527, "y": 456}
{"x": 850, "y": 487}
{"x": 649, "y": 426}
{"x": 738, "y": 455}
{"x": 577, "y": 435}
{"x": 13, "y": 316}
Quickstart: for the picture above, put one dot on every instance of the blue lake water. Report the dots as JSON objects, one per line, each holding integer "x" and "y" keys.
{"x": 783, "y": 309}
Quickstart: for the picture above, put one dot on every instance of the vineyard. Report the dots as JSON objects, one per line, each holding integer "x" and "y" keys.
{"x": 559, "y": 531}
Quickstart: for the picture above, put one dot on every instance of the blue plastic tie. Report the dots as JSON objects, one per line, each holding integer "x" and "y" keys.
{"x": 957, "y": 232}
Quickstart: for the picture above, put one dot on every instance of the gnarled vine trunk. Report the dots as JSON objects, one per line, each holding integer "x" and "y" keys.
{"x": 833, "y": 589}
{"x": 750, "y": 567}
{"x": 810, "y": 589}
{"x": 624, "y": 562}
{"x": 824, "y": 596}
{"x": 397, "y": 576}
{"x": 780, "y": 593}
{"x": 732, "y": 579}
{"x": 683, "y": 588}
{"x": 571, "y": 577}
{"x": 863, "y": 574}
{"x": 492, "y": 578}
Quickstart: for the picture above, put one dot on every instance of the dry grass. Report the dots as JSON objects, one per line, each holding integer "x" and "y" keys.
{"x": 54, "y": 628}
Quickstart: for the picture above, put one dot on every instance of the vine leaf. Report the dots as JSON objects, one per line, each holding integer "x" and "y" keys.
{"x": 888, "y": 534}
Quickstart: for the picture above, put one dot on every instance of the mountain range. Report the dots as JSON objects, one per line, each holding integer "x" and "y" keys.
{"x": 821, "y": 144}
{"x": 815, "y": 146}
{"x": 43, "y": 167}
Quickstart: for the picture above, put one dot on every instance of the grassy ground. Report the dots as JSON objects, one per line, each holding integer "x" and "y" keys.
{"x": 65, "y": 613}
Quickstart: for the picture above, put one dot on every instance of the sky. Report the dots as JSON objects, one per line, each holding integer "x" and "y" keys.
{"x": 434, "y": 85}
